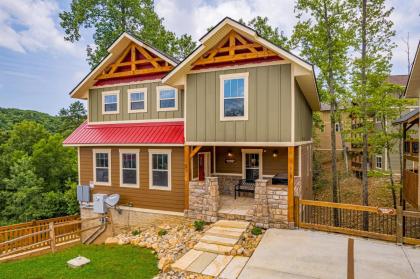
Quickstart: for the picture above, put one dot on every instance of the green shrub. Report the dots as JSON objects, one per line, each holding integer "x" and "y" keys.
{"x": 162, "y": 232}
{"x": 199, "y": 225}
{"x": 135, "y": 232}
{"x": 256, "y": 231}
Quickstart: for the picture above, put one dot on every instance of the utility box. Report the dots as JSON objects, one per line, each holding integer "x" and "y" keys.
{"x": 83, "y": 193}
{"x": 99, "y": 205}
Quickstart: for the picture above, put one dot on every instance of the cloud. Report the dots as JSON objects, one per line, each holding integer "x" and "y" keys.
{"x": 30, "y": 26}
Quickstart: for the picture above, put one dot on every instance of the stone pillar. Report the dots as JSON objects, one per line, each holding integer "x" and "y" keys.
{"x": 211, "y": 200}
{"x": 261, "y": 215}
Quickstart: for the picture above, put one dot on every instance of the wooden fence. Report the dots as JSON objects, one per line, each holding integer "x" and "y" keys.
{"x": 388, "y": 224}
{"x": 49, "y": 233}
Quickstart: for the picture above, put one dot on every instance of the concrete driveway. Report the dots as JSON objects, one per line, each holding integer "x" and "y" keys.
{"x": 299, "y": 254}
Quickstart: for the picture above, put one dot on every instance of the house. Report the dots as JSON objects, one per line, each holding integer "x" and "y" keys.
{"x": 173, "y": 136}
{"x": 410, "y": 123}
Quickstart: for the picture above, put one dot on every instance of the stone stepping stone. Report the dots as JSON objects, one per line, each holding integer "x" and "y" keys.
{"x": 225, "y": 232}
{"x": 186, "y": 260}
{"x": 201, "y": 262}
{"x": 217, "y": 266}
{"x": 213, "y": 248}
{"x": 219, "y": 240}
{"x": 234, "y": 268}
{"x": 232, "y": 224}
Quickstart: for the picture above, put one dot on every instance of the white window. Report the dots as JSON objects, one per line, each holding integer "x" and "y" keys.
{"x": 102, "y": 166}
{"x": 129, "y": 173}
{"x": 167, "y": 98}
{"x": 234, "y": 97}
{"x": 137, "y": 100}
{"x": 160, "y": 169}
{"x": 378, "y": 161}
{"x": 110, "y": 102}
{"x": 337, "y": 127}
{"x": 252, "y": 164}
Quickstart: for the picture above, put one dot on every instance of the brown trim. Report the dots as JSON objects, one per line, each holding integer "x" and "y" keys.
{"x": 186, "y": 175}
{"x": 291, "y": 183}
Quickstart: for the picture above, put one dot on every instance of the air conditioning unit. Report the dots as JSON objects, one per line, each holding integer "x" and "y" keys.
{"x": 99, "y": 205}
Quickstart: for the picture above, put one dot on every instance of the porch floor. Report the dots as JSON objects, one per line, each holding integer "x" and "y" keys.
{"x": 240, "y": 206}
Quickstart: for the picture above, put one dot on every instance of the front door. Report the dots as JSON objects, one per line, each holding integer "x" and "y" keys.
{"x": 252, "y": 166}
{"x": 204, "y": 165}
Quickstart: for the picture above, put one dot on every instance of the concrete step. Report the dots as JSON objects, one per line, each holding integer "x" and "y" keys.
{"x": 234, "y": 268}
{"x": 185, "y": 261}
{"x": 217, "y": 265}
{"x": 232, "y": 224}
{"x": 213, "y": 248}
{"x": 225, "y": 232}
{"x": 219, "y": 240}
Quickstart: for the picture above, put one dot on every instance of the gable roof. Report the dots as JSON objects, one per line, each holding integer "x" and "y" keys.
{"x": 304, "y": 71}
{"x": 398, "y": 79}
{"x": 413, "y": 85}
{"x": 115, "y": 50}
{"x": 406, "y": 117}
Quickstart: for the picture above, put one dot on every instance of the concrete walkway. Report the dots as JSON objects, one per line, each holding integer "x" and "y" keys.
{"x": 300, "y": 254}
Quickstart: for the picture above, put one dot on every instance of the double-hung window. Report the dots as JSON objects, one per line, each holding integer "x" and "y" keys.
{"x": 137, "y": 100}
{"x": 102, "y": 166}
{"x": 234, "y": 97}
{"x": 129, "y": 173}
{"x": 167, "y": 98}
{"x": 252, "y": 164}
{"x": 160, "y": 169}
{"x": 378, "y": 161}
{"x": 110, "y": 102}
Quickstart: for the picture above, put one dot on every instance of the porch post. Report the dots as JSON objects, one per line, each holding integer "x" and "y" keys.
{"x": 186, "y": 176}
{"x": 291, "y": 183}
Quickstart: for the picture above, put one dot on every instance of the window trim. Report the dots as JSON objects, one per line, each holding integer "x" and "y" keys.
{"x": 337, "y": 127}
{"x": 222, "y": 78}
{"x": 252, "y": 151}
{"x": 108, "y": 151}
{"x": 130, "y": 151}
{"x": 137, "y": 90}
{"x": 376, "y": 161}
{"x": 160, "y": 88}
{"x": 160, "y": 151}
{"x": 109, "y": 93}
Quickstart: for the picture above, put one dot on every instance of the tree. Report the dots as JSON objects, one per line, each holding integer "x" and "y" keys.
{"x": 260, "y": 24}
{"x": 110, "y": 18}
{"x": 324, "y": 37}
{"x": 72, "y": 117}
{"x": 373, "y": 48}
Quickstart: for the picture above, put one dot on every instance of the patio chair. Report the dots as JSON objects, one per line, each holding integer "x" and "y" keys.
{"x": 245, "y": 186}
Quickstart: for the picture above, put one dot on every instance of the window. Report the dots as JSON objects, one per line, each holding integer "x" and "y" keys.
{"x": 234, "y": 97}
{"x": 110, "y": 101}
{"x": 167, "y": 98}
{"x": 160, "y": 169}
{"x": 337, "y": 127}
{"x": 129, "y": 175}
{"x": 137, "y": 100}
{"x": 378, "y": 161}
{"x": 251, "y": 164}
{"x": 101, "y": 166}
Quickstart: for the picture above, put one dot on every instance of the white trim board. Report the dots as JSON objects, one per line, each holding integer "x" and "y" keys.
{"x": 153, "y": 211}
{"x": 245, "y": 144}
{"x": 137, "y": 121}
{"x": 109, "y": 152}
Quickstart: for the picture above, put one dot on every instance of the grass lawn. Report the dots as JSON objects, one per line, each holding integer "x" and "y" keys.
{"x": 110, "y": 261}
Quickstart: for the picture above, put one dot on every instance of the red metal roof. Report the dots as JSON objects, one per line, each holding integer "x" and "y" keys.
{"x": 133, "y": 133}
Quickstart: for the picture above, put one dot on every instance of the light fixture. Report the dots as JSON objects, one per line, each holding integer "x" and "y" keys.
{"x": 230, "y": 154}
{"x": 275, "y": 154}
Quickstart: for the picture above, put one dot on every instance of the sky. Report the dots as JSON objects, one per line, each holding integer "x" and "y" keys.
{"x": 38, "y": 68}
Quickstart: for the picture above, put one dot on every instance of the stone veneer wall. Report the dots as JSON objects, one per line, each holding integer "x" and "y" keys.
{"x": 227, "y": 184}
{"x": 204, "y": 199}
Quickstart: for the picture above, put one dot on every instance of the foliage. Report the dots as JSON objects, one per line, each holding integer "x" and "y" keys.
{"x": 72, "y": 117}
{"x": 107, "y": 261}
{"x": 256, "y": 231}
{"x": 110, "y": 18}
{"x": 135, "y": 232}
{"x": 38, "y": 175}
{"x": 199, "y": 225}
{"x": 162, "y": 232}
{"x": 11, "y": 116}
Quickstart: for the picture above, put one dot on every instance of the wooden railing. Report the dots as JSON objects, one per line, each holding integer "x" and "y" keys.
{"x": 365, "y": 221}
{"x": 16, "y": 239}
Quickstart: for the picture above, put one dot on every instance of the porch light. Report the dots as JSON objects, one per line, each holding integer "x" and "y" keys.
{"x": 229, "y": 154}
{"x": 275, "y": 154}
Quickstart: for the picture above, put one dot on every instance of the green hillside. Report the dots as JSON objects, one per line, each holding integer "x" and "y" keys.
{"x": 12, "y": 116}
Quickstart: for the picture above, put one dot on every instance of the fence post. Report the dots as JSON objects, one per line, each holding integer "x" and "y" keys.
{"x": 399, "y": 225}
{"x": 297, "y": 212}
{"x": 350, "y": 259}
{"x": 52, "y": 236}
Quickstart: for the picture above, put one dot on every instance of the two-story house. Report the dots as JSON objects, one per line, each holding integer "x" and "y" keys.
{"x": 231, "y": 125}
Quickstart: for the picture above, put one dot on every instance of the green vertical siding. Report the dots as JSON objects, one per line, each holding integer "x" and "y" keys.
{"x": 95, "y": 104}
{"x": 303, "y": 117}
{"x": 269, "y": 107}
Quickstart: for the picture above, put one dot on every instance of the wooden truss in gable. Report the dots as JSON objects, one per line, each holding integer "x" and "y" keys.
{"x": 233, "y": 48}
{"x": 135, "y": 60}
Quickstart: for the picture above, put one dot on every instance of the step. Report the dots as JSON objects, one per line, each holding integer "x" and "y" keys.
{"x": 213, "y": 248}
{"x": 234, "y": 268}
{"x": 219, "y": 240}
{"x": 217, "y": 265}
{"x": 185, "y": 261}
{"x": 225, "y": 232}
{"x": 232, "y": 224}
{"x": 201, "y": 262}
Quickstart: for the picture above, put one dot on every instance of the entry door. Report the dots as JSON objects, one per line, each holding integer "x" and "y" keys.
{"x": 204, "y": 165}
{"x": 252, "y": 166}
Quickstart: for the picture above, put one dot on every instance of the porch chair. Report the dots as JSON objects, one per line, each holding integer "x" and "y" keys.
{"x": 246, "y": 186}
